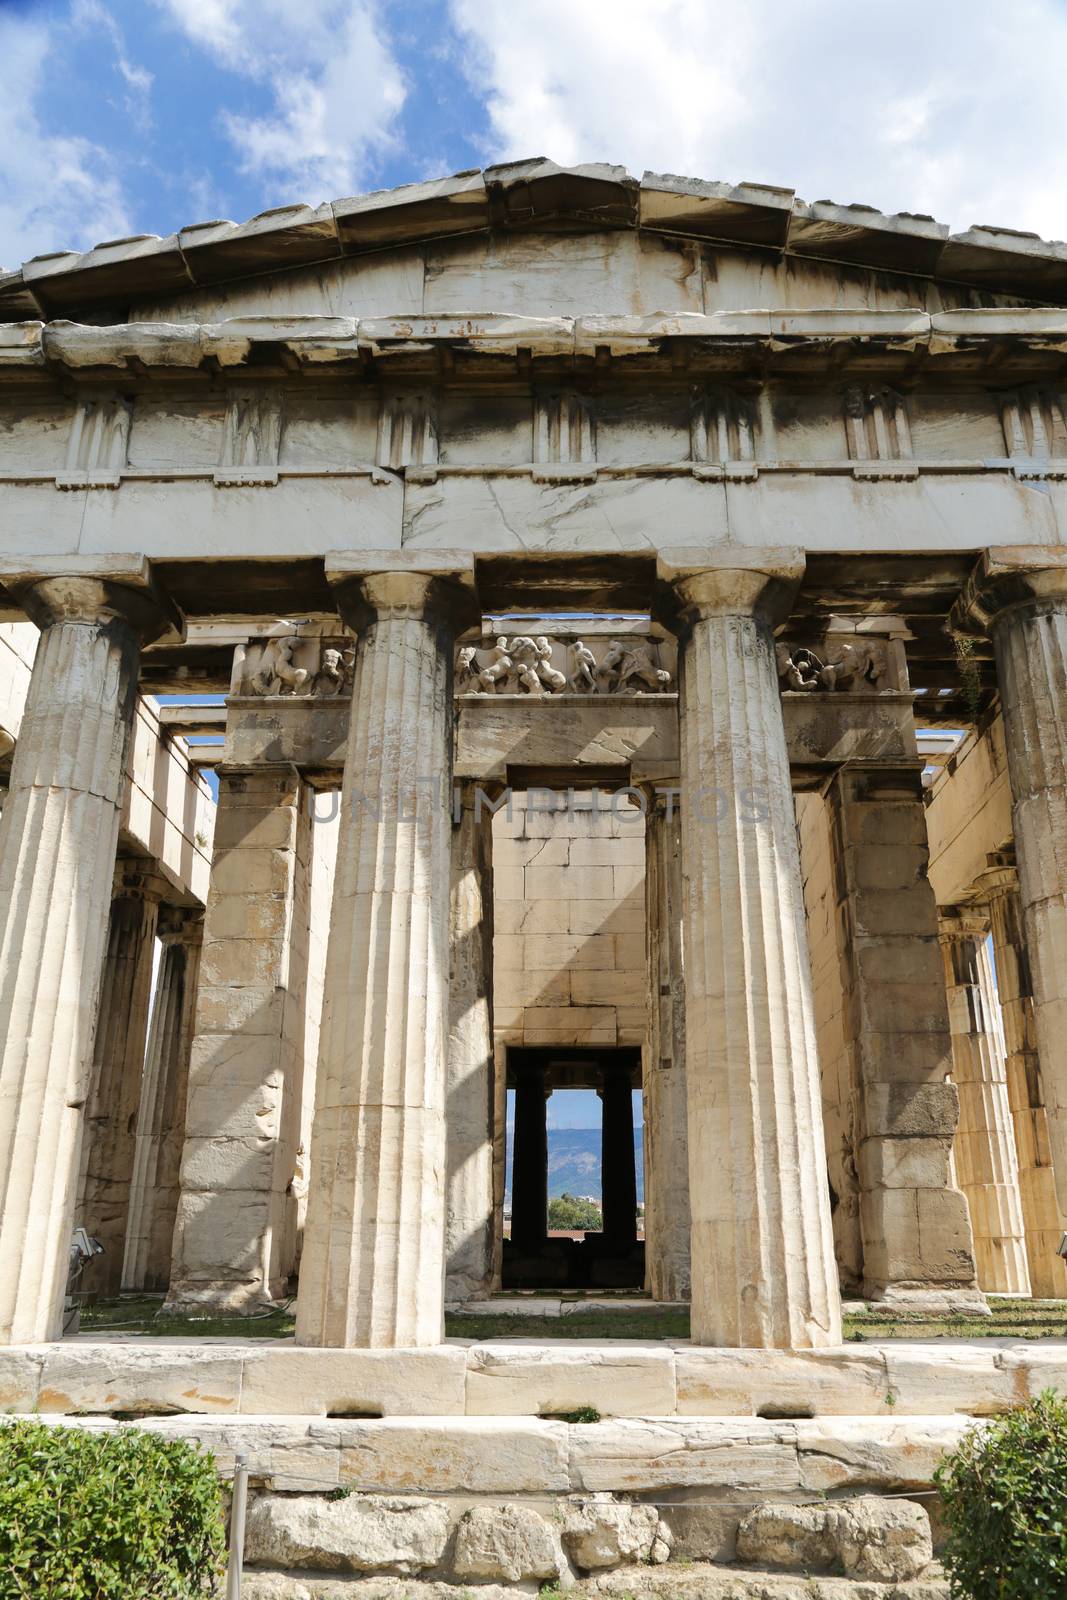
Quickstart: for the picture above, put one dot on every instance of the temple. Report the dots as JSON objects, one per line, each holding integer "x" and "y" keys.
{"x": 635, "y": 616}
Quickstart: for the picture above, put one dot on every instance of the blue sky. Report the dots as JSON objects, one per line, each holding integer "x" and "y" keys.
{"x": 119, "y": 117}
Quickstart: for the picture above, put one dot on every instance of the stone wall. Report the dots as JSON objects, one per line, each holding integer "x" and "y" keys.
{"x": 569, "y": 946}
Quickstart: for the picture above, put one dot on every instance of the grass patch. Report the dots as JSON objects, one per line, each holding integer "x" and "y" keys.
{"x": 136, "y": 1316}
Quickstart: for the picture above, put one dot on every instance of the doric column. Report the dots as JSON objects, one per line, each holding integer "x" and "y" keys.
{"x": 1043, "y": 1221}
{"x": 373, "y": 1267}
{"x": 470, "y": 1096}
{"x": 235, "y": 1233}
{"x": 154, "y": 1187}
{"x": 529, "y": 1162}
{"x": 617, "y": 1165}
{"x": 118, "y": 1066}
{"x": 914, "y": 1222}
{"x": 1019, "y": 598}
{"x": 666, "y": 1138}
{"x": 984, "y": 1147}
{"x": 763, "y": 1271}
{"x": 57, "y": 861}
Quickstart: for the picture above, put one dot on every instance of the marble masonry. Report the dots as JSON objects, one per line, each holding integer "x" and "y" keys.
{"x": 628, "y": 621}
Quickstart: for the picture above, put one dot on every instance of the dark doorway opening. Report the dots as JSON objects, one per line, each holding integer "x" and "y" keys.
{"x": 613, "y": 1256}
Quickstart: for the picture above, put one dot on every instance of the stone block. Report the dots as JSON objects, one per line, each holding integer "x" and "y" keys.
{"x": 780, "y": 1383}
{"x": 253, "y": 871}
{"x": 606, "y": 916}
{"x": 601, "y": 1532}
{"x": 623, "y": 1381}
{"x": 158, "y": 1380}
{"x": 872, "y": 1453}
{"x": 569, "y": 883}
{"x": 602, "y": 988}
{"x": 906, "y": 1163}
{"x": 641, "y": 1456}
{"x": 361, "y": 1533}
{"x": 884, "y": 1540}
{"x": 795, "y": 1537}
{"x": 510, "y": 1544}
{"x": 346, "y": 1383}
{"x": 20, "y": 1376}
{"x": 571, "y": 1025}
{"x": 250, "y": 827}
{"x": 911, "y": 1111}
{"x": 491, "y": 1455}
{"x": 970, "y": 1379}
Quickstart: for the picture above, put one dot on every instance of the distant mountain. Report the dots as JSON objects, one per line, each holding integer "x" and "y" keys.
{"x": 574, "y": 1162}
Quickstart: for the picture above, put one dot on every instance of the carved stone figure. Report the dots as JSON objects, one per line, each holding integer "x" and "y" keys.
{"x": 526, "y": 657}
{"x": 469, "y": 675}
{"x": 333, "y": 676}
{"x": 802, "y": 670}
{"x": 609, "y": 669}
{"x": 583, "y": 678}
{"x": 277, "y": 672}
{"x": 554, "y": 681}
{"x": 500, "y": 666}
{"x": 637, "y": 667}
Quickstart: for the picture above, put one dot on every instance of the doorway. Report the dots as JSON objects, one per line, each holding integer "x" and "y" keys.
{"x": 604, "y": 1248}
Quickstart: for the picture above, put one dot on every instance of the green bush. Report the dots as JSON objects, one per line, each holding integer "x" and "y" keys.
{"x": 121, "y": 1515}
{"x": 1004, "y": 1490}
{"x": 568, "y": 1213}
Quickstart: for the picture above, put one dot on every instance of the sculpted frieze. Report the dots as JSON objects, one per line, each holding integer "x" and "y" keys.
{"x": 293, "y": 665}
{"x": 534, "y": 664}
{"x": 849, "y": 664}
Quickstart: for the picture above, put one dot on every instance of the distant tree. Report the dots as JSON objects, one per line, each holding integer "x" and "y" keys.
{"x": 568, "y": 1213}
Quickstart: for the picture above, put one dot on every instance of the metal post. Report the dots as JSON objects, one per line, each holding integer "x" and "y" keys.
{"x": 238, "y": 1507}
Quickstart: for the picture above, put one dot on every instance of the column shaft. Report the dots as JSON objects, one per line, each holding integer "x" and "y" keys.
{"x": 617, "y": 1165}
{"x": 57, "y": 859}
{"x": 984, "y": 1147}
{"x": 666, "y": 1139}
{"x": 154, "y": 1187}
{"x": 915, "y": 1226}
{"x": 1043, "y": 1222}
{"x": 470, "y": 1099}
{"x": 109, "y": 1139}
{"x": 1019, "y": 598}
{"x": 529, "y": 1163}
{"x": 235, "y": 1234}
{"x": 372, "y": 1272}
{"x": 763, "y": 1271}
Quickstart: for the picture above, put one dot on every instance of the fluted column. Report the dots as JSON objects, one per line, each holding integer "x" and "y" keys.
{"x": 57, "y": 860}
{"x": 109, "y": 1139}
{"x": 470, "y": 1094}
{"x": 1018, "y": 596}
{"x": 763, "y": 1271}
{"x": 154, "y": 1187}
{"x": 1043, "y": 1222}
{"x": 666, "y": 1139}
{"x": 372, "y": 1272}
{"x": 984, "y": 1146}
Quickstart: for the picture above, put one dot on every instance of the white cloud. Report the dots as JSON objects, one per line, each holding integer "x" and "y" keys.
{"x": 55, "y": 192}
{"x": 336, "y": 86}
{"x": 952, "y": 109}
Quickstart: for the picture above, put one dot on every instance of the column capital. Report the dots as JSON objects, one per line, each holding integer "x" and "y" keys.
{"x": 136, "y": 879}
{"x": 428, "y": 585}
{"x": 1009, "y": 578}
{"x": 180, "y": 925}
{"x": 93, "y": 589}
{"x": 998, "y": 879}
{"x": 726, "y": 580}
{"x": 955, "y": 924}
